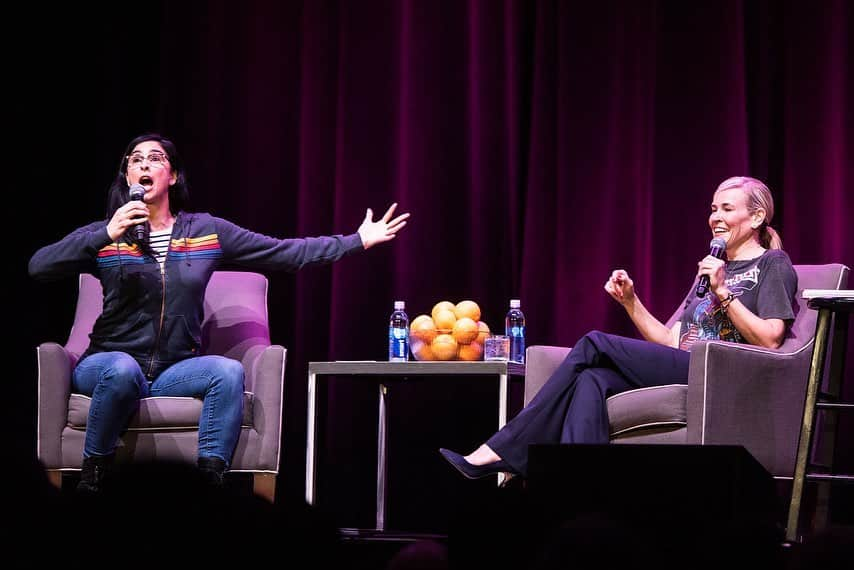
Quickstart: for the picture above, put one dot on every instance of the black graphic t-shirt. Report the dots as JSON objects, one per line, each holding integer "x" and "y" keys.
{"x": 766, "y": 285}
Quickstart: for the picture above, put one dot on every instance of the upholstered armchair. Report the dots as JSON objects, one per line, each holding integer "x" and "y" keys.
{"x": 737, "y": 394}
{"x": 166, "y": 428}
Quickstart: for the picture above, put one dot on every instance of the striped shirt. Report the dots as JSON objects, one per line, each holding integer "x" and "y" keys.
{"x": 159, "y": 242}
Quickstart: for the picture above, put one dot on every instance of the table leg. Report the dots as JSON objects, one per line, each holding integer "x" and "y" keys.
{"x": 804, "y": 442}
{"x": 381, "y": 458}
{"x": 311, "y": 434}
{"x": 502, "y": 411}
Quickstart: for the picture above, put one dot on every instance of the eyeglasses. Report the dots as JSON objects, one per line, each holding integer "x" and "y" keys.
{"x": 155, "y": 160}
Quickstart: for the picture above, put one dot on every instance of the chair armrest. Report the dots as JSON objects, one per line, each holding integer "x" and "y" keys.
{"x": 540, "y": 363}
{"x": 740, "y": 394}
{"x": 55, "y": 364}
{"x": 265, "y": 378}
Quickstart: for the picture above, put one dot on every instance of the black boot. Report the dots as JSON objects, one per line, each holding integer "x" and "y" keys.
{"x": 95, "y": 468}
{"x": 213, "y": 468}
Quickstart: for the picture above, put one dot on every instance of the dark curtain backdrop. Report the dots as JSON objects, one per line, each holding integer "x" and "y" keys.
{"x": 538, "y": 146}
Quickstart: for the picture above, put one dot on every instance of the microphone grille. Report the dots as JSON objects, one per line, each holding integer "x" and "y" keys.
{"x": 136, "y": 191}
{"x": 717, "y": 243}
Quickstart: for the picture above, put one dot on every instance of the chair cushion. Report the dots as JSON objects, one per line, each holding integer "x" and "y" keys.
{"x": 157, "y": 412}
{"x": 655, "y": 406}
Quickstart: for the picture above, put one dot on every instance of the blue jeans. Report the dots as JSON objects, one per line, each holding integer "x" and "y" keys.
{"x": 115, "y": 382}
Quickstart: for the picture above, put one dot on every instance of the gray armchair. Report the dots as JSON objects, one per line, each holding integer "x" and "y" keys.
{"x": 235, "y": 325}
{"x": 736, "y": 394}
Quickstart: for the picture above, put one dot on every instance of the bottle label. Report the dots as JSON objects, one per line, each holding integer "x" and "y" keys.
{"x": 515, "y": 328}
{"x": 398, "y": 344}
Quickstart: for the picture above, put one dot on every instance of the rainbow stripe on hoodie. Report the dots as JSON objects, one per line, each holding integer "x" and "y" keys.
{"x": 108, "y": 256}
{"x": 202, "y": 247}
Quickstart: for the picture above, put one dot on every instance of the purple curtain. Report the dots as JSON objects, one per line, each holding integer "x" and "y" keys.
{"x": 538, "y": 146}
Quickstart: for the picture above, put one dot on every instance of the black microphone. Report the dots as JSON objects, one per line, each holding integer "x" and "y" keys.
{"x": 137, "y": 192}
{"x": 717, "y": 247}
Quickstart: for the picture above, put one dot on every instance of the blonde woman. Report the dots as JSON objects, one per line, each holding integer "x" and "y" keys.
{"x": 749, "y": 299}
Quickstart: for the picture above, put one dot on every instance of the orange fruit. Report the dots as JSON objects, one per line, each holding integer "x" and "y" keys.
{"x": 420, "y": 318}
{"x": 446, "y": 305}
{"x": 472, "y": 351}
{"x": 483, "y": 329}
{"x": 444, "y": 319}
{"x": 423, "y": 328}
{"x": 465, "y": 330}
{"x": 422, "y": 351}
{"x": 468, "y": 309}
{"x": 444, "y": 347}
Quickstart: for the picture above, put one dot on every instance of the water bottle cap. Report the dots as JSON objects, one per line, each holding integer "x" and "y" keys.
{"x": 515, "y": 304}
{"x": 399, "y": 305}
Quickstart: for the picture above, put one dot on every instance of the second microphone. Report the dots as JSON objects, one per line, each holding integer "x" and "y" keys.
{"x": 717, "y": 248}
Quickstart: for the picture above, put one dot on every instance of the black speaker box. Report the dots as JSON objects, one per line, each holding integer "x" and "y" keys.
{"x": 708, "y": 485}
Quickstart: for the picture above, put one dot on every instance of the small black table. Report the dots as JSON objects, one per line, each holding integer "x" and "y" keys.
{"x": 832, "y": 306}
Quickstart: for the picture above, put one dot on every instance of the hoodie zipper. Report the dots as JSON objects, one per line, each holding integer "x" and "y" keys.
{"x": 162, "y": 306}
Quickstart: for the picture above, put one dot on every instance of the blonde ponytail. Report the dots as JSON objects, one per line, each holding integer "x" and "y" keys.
{"x": 769, "y": 238}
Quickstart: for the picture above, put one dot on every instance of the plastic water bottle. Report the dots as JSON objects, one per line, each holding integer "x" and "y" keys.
{"x": 398, "y": 334}
{"x": 514, "y": 327}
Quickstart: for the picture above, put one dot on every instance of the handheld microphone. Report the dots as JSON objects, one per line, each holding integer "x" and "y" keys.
{"x": 137, "y": 192}
{"x": 717, "y": 247}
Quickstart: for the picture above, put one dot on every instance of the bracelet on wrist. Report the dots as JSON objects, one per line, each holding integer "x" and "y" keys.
{"x": 726, "y": 301}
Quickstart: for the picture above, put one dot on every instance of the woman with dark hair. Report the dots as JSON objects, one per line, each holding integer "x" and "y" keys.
{"x": 179, "y": 196}
{"x": 145, "y": 342}
{"x": 750, "y": 299}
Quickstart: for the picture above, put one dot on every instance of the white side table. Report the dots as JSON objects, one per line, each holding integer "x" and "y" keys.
{"x": 502, "y": 371}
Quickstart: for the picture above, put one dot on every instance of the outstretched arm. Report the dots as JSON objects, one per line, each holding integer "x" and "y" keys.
{"x": 383, "y": 229}
{"x": 622, "y": 289}
{"x": 251, "y": 249}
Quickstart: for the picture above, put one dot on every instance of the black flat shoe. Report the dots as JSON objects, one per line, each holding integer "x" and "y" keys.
{"x": 475, "y": 471}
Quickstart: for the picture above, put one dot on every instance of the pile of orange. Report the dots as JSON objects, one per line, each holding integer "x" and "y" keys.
{"x": 449, "y": 332}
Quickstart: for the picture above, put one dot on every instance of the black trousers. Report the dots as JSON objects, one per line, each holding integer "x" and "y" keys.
{"x": 570, "y": 407}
